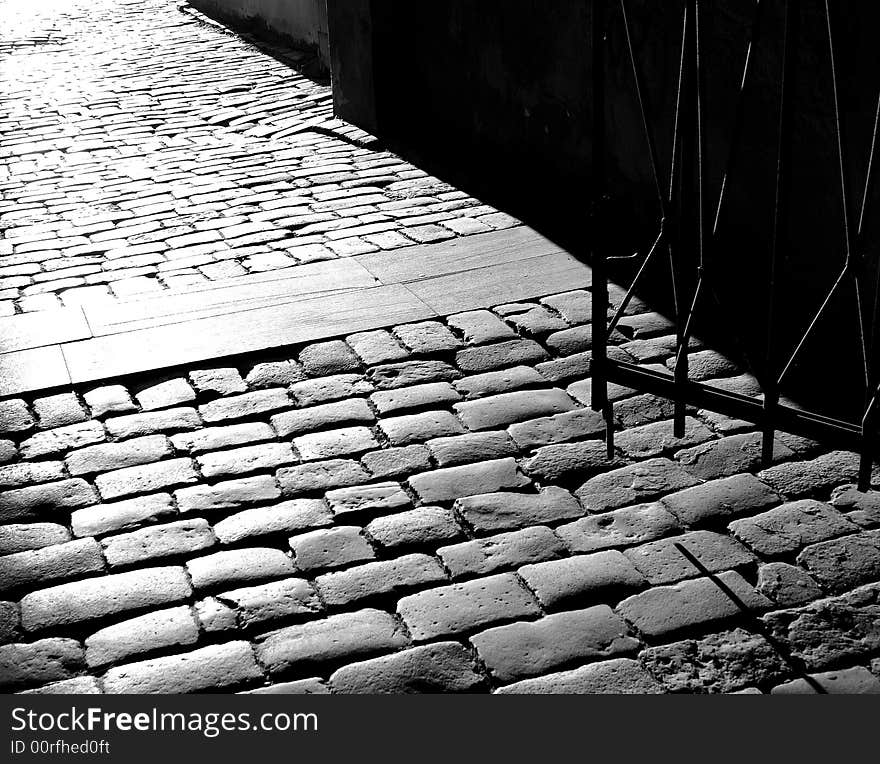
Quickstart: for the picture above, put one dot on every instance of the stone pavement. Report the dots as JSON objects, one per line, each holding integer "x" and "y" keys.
{"x": 142, "y": 149}
{"x": 422, "y": 507}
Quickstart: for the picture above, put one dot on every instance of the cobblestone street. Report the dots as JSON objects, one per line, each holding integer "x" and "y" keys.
{"x": 422, "y": 507}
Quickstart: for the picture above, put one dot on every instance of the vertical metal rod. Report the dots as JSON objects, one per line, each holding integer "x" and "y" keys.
{"x": 780, "y": 220}
{"x": 853, "y": 258}
{"x": 692, "y": 56}
{"x": 599, "y": 385}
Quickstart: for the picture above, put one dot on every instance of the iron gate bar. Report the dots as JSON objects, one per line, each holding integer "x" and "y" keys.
{"x": 790, "y": 37}
{"x": 678, "y": 206}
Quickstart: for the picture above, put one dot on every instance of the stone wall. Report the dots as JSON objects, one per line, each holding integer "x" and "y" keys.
{"x": 303, "y": 22}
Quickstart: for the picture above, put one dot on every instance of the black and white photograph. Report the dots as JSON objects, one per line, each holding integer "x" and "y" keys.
{"x": 476, "y": 347}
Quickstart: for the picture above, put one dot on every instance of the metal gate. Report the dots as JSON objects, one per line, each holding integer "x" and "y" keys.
{"x": 687, "y": 239}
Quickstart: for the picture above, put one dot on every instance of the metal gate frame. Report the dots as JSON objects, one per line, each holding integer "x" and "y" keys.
{"x": 686, "y": 220}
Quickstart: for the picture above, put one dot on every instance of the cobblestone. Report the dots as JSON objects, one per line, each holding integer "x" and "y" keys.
{"x": 245, "y": 405}
{"x": 787, "y": 585}
{"x": 50, "y": 563}
{"x": 112, "y": 456}
{"x": 311, "y": 392}
{"x": 665, "y": 610}
{"x": 342, "y": 442}
{"x": 640, "y": 410}
{"x": 392, "y": 462}
{"x": 207, "y": 667}
{"x": 496, "y": 382}
{"x": 20, "y": 537}
{"x": 525, "y": 649}
{"x": 238, "y": 461}
{"x": 417, "y": 527}
{"x": 490, "y": 357}
{"x": 378, "y": 498}
{"x": 169, "y": 420}
{"x": 145, "y": 478}
{"x": 427, "y": 337}
{"x": 50, "y": 442}
{"x": 212, "y": 438}
{"x": 844, "y": 563}
{"x": 376, "y": 347}
{"x": 432, "y": 393}
{"x": 661, "y": 562}
{"x": 256, "y": 605}
{"x": 439, "y": 667}
{"x": 344, "y": 637}
{"x": 459, "y": 608}
{"x": 479, "y": 327}
{"x": 379, "y": 578}
{"x": 499, "y": 410}
{"x": 121, "y": 515}
{"x": 575, "y": 580}
{"x": 165, "y": 394}
{"x": 59, "y": 410}
{"x": 504, "y": 550}
{"x": 571, "y": 367}
{"x": 391, "y": 376}
{"x": 23, "y": 473}
{"x": 629, "y": 485}
{"x": 109, "y": 399}
{"x": 537, "y": 321}
{"x": 571, "y": 425}
{"x": 618, "y": 676}
{"x": 657, "y": 438}
{"x": 503, "y": 511}
{"x": 563, "y": 461}
{"x": 728, "y": 456}
{"x": 330, "y": 548}
{"x": 790, "y": 527}
{"x": 274, "y": 373}
{"x": 239, "y": 565}
{"x": 620, "y": 528}
{"x": 720, "y": 663}
{"x": 305, "y": 420}
{"x": 137, "y": 636}
{"x": 571, "y": 341}
{"x": 319, "y": 476}
{"x": 720, "y": 499}
{"x": 467, "y": 480}
{"x": 15, "y": 417}
{"x": 81, "y": 685}
{"x": 854, "y": 681}
{"x": 796, "y": 479}
{"x": 8, "y": 451}
{"x": 96, "y": 597}
{"x": 471, "y": 447}
{"x": 830, "y": 631}
{"x": 862, "y": 508}
{"x": 222, "y": 381}
{"x": 413, "y": 428}
{"x": 286, "y": 517}
{"x": 183, "y": 537}
{"x": 47, "y": 660}
{"x": 23, "y": 503}
{"x": 229, "y": 494}
{"x": 325, "y": 358}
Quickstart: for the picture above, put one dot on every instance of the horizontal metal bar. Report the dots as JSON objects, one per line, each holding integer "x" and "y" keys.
{"x": 786, "y": 418}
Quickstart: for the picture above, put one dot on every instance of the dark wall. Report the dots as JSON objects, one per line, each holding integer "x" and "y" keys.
{"x": 496, "y": 96}
{"x": 494, "y": 92}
